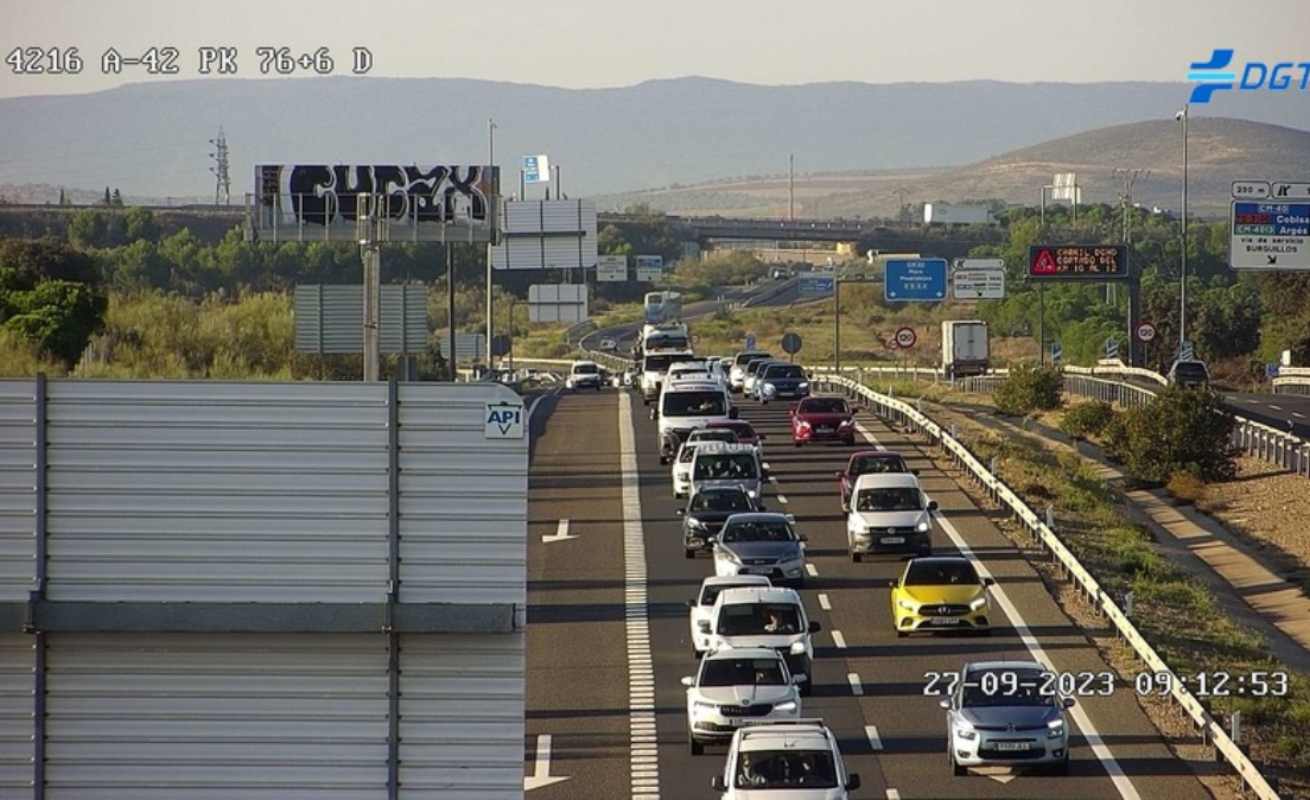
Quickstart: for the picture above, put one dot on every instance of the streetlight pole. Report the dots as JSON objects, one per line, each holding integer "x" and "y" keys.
{"x": 791, "y": 186}
{"x": 491, "y": 164}
{"x": 1041, "y": 292}
{"x": 836, "y": 322}
{"x": 1181, "y": 116}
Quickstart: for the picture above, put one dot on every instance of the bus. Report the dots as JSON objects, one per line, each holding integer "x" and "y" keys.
{"x": 663, "y": 307}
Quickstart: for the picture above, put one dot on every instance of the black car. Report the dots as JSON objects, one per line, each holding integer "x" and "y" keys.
{"x": 706, "y": 512}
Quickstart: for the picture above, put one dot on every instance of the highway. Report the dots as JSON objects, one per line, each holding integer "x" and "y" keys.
{"x": 1289, "y": 413}
{"x": 608, "y": 639}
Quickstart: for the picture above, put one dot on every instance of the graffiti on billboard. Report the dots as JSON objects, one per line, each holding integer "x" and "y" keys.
{"x": 323, "y": 194}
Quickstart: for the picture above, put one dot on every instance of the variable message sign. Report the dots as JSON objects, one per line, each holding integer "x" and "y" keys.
{"x": 1072, "y": 262}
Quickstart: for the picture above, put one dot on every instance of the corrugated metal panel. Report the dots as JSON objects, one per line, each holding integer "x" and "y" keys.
{"x": 468, "y": 346}
{"x": 239, "y": 717}
{"x": 17, "y": 660}
{"x": 463, "y": 498}
{"x": 461, "y": 723}
{"x": 520, "y": 249}
{"x": 337, "y": 326}
{"x": 17, "y": 489}
{"x": 217, "y": 491}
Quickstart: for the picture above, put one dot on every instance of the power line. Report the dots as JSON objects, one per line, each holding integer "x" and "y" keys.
{"x": 222, "y": 182}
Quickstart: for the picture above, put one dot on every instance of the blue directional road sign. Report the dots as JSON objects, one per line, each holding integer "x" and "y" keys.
{"x": 1057, "y": 352}
{"x": 750, "y": 341}
{"x": 1271, "y": 370}
{"x": 915, "y": 280}
{"x": 815, "y": 287}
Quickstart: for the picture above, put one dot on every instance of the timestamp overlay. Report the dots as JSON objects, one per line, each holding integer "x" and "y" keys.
{"x": 269, "y": 59}
{"x": 1001, "y": 684}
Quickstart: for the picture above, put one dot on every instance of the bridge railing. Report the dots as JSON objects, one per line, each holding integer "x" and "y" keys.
{"x": 905, "y": 415}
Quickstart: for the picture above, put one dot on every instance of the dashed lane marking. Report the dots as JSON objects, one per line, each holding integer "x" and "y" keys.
{"x": 643, "y": 750}
{"x": 812, "y": 570}
{"x": 892, "y": 794}
{"x": 875, "y": 743}
{"x": 839, "y": 640}
{"x": 857, "y": 688}
{"x": 782, "y": 498}
{"x": 824, "y": 602}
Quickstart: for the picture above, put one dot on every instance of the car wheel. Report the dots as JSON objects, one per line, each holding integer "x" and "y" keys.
{"x": 900, "y": 634}
{"x": 689, "y": 553}
{"x": 856, "y": 557}
{"x": 957, "y": 770}
{"x": 849, "y": 441}
{"x": 807, "y": 688}
{"x": 694, "y": 747}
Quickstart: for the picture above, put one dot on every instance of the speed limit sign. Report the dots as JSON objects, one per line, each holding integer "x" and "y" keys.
{"x": 905, "y": 338}
{"x": 1146, "y": 332}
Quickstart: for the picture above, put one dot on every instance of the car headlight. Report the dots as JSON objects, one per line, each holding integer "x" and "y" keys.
{"x": 922, "y": 527}
{"x": 788, "y": 706}
{"x": 695, "y": 524}
{"x": 1055, "y": 729}
{"x": 803, "y": 425}
{"x": 752, "y": 494}
{"x": 977, "y": 603}
{"x": 797, "y": 648}
{"x": 908, "y": 605}
{"x": 965, "y": 731}
{"x": 701, "y": 705}
{"x": 727, "y": 555}
{"x": 803, "y": 385}
{"x": 846, "y": 423}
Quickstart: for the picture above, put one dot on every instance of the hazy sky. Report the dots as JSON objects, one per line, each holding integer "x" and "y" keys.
{"x": 592, "y": 43}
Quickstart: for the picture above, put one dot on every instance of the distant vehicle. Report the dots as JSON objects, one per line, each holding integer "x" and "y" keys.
{"x": 706, "y": 512}
{"x": 940, "y": 593}
{"x": 970, "y": 214}
{"x": 764, "y": 617}
{"x": 737, "y": 370}
{"x": 734, "y": 687}
{"x": 761, "y": 543}
{"x": 702, "y": 605}
{"x": 1189, "y": 374}
{"x": 822, "y": 419}
{"x": 965, "y": 349}
{"x": 608, "y": 344}
{"x": 1020, "y": 725}
{"x": 665, "y": 336}
{"x": 780, "y": 274}
{"x": 685, "y": 406}
{"x": 867, "y": 462}
{"x": 752, "y": 373}
{"x": 653, "y": 368}
{"x": 663, "y": 306}
{"x": 779, "y": 380}
{"x": 682, "y": 463}
{"x": 890, "y": 514}
{"x": 721, "y": 465}
{"x": 584, "y": 375}
{"x": 793, "y": 760}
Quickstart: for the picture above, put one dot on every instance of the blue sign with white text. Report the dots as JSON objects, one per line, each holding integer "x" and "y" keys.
{"x": 815, "y": 287}
{"x": 921, "y": 280}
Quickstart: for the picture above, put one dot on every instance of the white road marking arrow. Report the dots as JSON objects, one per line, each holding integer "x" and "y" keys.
{"x": 998, "y": 774}
{"x": 541, "y": 776}
{"x": 561, "y": 533}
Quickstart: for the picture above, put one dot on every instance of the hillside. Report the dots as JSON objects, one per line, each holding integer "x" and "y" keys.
{"x": 1221, "y": 151}
{"x": 151, "y": 139}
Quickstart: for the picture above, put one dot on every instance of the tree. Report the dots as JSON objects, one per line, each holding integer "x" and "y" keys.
{"x": 63, "y": 199}
{"x": 24, "y": 263}
{"x": 140, "y": 223}
{"x": 58, "y": 317}
{"x": 1183, "y": 430}
{"x": 108, "y": 200}
{"x": 1029, "y": 388}
{"x": 117, "y": 199}
{"x": 88, "y": 228}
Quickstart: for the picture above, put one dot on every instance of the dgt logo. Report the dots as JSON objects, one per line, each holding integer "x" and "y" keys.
{"x": 1213, "y": 75}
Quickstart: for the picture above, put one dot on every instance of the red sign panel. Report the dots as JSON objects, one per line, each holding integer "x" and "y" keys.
{"x": 1099, "y": 262}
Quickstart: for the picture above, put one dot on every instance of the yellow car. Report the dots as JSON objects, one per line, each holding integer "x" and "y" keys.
{"x": 940, "y": 593}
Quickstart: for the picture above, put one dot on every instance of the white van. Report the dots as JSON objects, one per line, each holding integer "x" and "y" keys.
{"x": 653, "y": 368}
{"x": 686, "y": 406}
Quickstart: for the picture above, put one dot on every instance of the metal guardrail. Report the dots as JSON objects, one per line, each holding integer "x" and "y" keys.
{"x": 906, "y": 415}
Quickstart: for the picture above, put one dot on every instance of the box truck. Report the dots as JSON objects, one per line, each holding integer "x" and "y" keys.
{"x": 964, "y": 347}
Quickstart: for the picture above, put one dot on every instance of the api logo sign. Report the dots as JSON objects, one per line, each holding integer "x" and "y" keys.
{"x": 1214, "y": 75}
{"x": 503, "y": 421}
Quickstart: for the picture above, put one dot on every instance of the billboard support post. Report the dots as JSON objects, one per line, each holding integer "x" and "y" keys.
{"x": 450, "y": 312}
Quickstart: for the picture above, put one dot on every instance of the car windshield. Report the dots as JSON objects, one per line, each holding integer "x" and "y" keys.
{"x": 721, "y": 435}
{"x": 754, "y": 367}
{"x": 746, "y": 358}
{"x": 941, "y": 573}
{"x": 901, "y": 498}
{"x": 710, "y": 592}
{"x": 742, "y": 672}
{"x": 735, "y": 500}
{"x": 686, "y": 454}
{"x": 659, "y": 363}
{"x": 665, "y": 342}
{"x": 726, "y": 467}
{"x": 694, "y": 404}
{"x": 758, "y": 531}
{"x": 743, "y": 430}
{"x": 872, "y": 465}
{"x": 785, "y": 769}
{"x": 1190, "y": 371}
{"x": 759, "y": 619}
{"x": 682, "y": 373}
{"x": 784, "y": 371}
{"x": 823, "y": 405}
{"x": 584, "y": 369}
{"x": 1010, "y": 687}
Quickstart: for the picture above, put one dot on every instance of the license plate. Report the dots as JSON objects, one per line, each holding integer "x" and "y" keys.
{"x": 824, "y": 429}
{"x": 943, "y": 621}
{"x": 892, "y": 540}
{"x": 1011, "y": 746}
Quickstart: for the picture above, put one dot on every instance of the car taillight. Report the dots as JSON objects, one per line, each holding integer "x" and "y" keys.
{"x": 803, "y": 425}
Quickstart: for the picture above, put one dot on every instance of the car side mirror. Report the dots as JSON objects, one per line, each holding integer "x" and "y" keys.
{"x": 802, "y": 537}
{"x": 654, "y": 413}
{"x": 732, "y": 413}
{"x": 893, "y": 583}
{"x": 718, "y": 784}
{"x": 797, "y": 680}
{"x": 815, "y": 627}
{"x": 932, "y": 505}
{"x": 989, "y": 581}
{"x": 688, "y": 681}
{"x": 852, "y": 781}
{"x": 1068, "y": 702}
{"x": 945, "y": 703}
{"x": 681, "y": 512}
{"x": 761, "y": 437}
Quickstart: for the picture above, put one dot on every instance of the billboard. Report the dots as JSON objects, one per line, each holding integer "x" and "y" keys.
{"x": 612, "y": 269}
{"x": 330, "y": 319}
{"x": 1073, "y": 262}
{"x": 562, "y": 302}
{"x": 318, "y": 202}
{"x": 547, "y": 234}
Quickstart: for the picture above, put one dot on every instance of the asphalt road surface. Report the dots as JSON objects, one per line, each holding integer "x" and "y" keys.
{"x": 608, "y": 639}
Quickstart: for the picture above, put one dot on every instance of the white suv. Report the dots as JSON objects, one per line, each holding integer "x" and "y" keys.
{"x": 683, "y": 461}
{"x": 764, "y": 617}
{"x": 733, "y": 687}
{"x": 584, "y": 375}
{"x": 702, "y": 605}
{"x": 794, "y": 760}
{"x": 889, "y": 513}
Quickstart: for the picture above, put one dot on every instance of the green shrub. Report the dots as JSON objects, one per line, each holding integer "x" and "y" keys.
{"x": 1087, "y": 419}
{"x": 1181, "y": 430}
{"x": 1185, "y": 486}
{"x": 1028, "y": 389}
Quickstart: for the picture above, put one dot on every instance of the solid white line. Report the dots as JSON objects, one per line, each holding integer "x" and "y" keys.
{"x": 644, "y": 741}
{"x": 813, "y": 570}
{"x": 875, "y": 742}
{"x": 857, "y": 688}
{"x": 1080, "y": 718}
{"x": 839, "y": 640}
{"x": 867, "y": 434}
{"x": 543, "y": 756}
{"x": 824, "y": 602}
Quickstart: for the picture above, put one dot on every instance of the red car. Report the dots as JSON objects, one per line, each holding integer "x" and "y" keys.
{"x": 745, "y": 433}
{"x": 866, "y": 462}
{"x": 817, "y": 419}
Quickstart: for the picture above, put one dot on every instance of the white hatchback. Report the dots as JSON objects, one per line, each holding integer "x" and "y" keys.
{"x": 733, "y": 687}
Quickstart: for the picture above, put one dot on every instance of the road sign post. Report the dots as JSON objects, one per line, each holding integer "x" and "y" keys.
{"x": 791, "y": 344}
{"x": 1057, "y": 353}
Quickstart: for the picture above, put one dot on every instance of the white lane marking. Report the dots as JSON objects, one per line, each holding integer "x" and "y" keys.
{"x": 857, "y": 688}
{"x": 766, "y": 466}
{"x": 875, "y": 742}
{"x": 537, "y": 404}
{"x": 867, "y": 434}
{"x": 839, "y": 640}
{"x": 824, "y": 602}
{"x": 782, "y": 498}
{"x": 1099, "y": 748}
{"x": 645, "y": 780}
{"x": 892, "y": 794}
{"x": 773, "y": 480}
{"x": 541, "y": 772}
{"x": 1298, "y": 415}
{"x": 1275, "y": 408}
{"x": 561, "y": 533}
{"x": 810, "y": 568}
